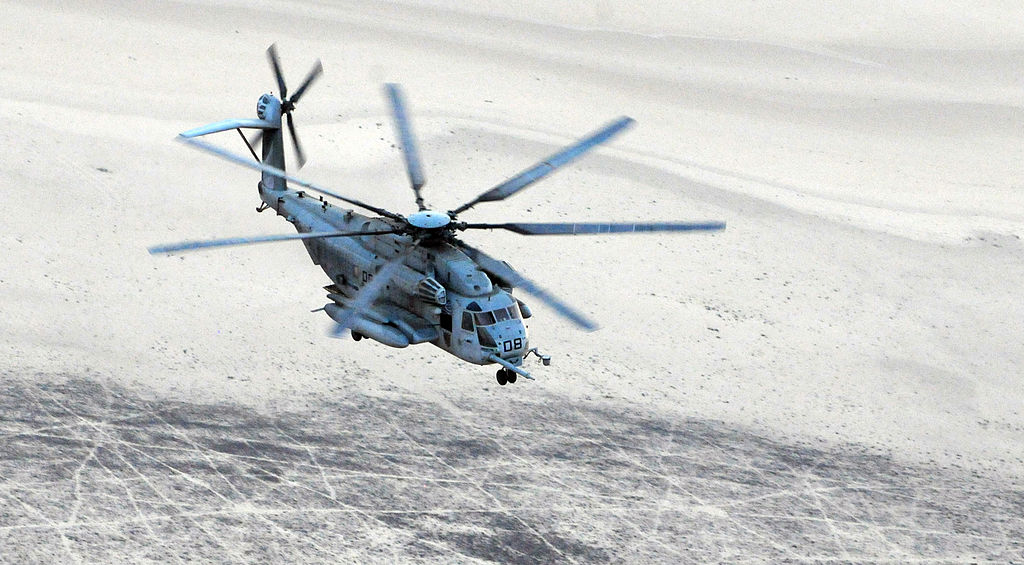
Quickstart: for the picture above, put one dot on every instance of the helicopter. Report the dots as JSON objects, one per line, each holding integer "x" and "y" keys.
{"x": 399, "y": 279}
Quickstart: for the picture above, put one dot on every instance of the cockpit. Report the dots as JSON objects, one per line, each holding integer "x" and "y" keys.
{"x": 499, "y": 329}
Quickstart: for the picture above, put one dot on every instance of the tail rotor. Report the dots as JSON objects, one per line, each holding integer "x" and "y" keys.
{"x": 288, "y": 104}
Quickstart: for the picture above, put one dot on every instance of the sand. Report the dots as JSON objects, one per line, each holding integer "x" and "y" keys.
{"x": 864, "y": 297}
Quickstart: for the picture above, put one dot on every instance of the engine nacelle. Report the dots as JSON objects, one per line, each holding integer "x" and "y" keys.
{"x": 429, "y": 290}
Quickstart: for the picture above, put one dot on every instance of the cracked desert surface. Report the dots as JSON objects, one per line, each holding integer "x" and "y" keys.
{"x": 94, "y": 473}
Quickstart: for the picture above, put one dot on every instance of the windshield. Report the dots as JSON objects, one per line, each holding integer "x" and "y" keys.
{"x": 499, "y": 315}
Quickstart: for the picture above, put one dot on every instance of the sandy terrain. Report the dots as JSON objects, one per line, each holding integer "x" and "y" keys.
{"x": 836, "y": 376}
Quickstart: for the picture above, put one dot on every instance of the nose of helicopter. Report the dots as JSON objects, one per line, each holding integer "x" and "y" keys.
{"x": 508, "y": 337}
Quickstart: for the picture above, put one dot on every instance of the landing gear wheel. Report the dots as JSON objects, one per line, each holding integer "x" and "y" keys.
{"x": 357, "y": 336}
{"x": 502, "y": 379}
{"x": 511, "y": 376}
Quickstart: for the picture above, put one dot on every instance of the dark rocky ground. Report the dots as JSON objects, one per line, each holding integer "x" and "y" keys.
{"x": 90, "y": 473}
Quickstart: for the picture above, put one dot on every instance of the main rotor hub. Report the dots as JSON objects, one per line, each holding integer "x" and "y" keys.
{"x": 429, "y": 220}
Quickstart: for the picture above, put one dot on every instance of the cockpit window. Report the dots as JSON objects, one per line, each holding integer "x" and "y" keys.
{"x": 467, "y": 321}
{"x": 494, "y": 316}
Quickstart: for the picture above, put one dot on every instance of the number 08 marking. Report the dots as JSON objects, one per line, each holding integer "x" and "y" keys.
{"x": 512, "y": 344}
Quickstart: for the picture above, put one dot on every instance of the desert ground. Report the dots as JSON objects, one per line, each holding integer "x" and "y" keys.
{"x": 835, "y": 377}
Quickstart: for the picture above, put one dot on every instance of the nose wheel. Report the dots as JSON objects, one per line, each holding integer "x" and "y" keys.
{"x": 505, "y": 376}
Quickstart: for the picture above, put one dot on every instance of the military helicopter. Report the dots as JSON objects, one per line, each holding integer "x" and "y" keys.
{"x": 403, "y": 280}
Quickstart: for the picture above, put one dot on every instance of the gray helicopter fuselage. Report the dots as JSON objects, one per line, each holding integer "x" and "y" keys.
{"x": 439, "y": 295}
{"x": 403, "y": 280}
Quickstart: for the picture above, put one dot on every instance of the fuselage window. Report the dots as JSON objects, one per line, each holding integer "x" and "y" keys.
{"x": 484, "y": 318}
{"x": 467, "y": 321}
{"x": 446, "y": 321}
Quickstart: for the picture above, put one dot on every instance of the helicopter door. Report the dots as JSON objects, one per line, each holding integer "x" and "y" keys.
{"x": 446, "y": 328}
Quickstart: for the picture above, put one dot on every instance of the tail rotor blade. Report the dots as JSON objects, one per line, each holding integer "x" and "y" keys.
{"x": 506, "y": 273}
{"x": 300, "y": 155}
{"x": 275, "y": 64}
{"x": 413, "y": 164}
{"x": 314, "y": 73}
{"x": 256, "y": 140}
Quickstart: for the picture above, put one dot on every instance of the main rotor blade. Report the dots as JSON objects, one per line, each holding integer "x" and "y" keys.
{"x": 372, "y": 290}
{"x": 275, "y": 64}
{"x": 528, "y": 228}
{"x": 300, "y": 155}
{"x": 506, "y": 273}
{"x": 231, "y": 241}
{"x": 547, "y": 166}
{"x": 314, "y": 73}
{"x": 229, "y": 156}
{"x": 413, "y": 164}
